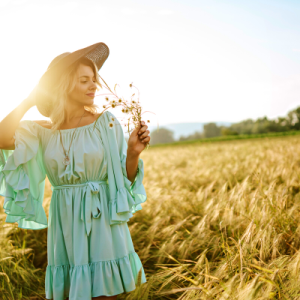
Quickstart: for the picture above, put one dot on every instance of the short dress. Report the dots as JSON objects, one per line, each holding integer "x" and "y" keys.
{"x": 89, "y": 247}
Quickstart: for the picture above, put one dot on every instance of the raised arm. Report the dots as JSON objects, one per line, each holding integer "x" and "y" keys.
{"x": 10, "y": 123}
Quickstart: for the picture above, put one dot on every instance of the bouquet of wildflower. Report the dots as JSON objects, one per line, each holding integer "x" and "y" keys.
{"x": 131, "y": 108}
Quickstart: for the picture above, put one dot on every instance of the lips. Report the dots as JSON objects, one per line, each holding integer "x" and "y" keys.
{"x": 91, "y": 95}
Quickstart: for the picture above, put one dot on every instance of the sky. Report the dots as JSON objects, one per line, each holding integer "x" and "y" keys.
{"x": 192, "y": 60}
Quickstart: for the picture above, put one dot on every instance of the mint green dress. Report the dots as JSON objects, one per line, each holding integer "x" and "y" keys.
{"x": 90, "y": 250}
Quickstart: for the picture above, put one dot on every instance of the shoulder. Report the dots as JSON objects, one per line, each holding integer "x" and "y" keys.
{"x": 107, "y": 119}
{"x": 104, "y": 116}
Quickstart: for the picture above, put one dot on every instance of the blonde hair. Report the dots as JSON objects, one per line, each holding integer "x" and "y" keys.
{"x": 65, "y": 85}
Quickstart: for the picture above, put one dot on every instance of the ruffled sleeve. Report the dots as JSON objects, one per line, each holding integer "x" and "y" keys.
{"x": 126, "y": 197}
{"x": 22, "y": 179}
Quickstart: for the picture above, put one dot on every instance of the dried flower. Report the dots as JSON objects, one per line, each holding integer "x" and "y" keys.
{"x": 133, "y": 107}
{"x": 110, "y": 125}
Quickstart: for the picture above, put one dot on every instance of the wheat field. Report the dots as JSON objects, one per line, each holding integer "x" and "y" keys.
{"x": 221, "y": 221}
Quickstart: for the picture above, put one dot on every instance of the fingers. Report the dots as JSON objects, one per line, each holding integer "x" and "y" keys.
{"x": 146, "y": 139}
{"x": 143, "y": 133}
{"x": 143, "y": 129}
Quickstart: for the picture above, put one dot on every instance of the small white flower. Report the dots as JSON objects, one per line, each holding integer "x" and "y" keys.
{"x": 112, "y": 118}
{"x": 110, "y": 125}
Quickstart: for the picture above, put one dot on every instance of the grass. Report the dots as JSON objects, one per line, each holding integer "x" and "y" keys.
{"x": 222, "y": 221}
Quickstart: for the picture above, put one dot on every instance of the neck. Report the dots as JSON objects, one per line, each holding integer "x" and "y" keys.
{"x": 72, "y": 115}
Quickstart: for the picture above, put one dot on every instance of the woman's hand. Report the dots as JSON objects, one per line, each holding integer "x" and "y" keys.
{"x": 138, "y": 139}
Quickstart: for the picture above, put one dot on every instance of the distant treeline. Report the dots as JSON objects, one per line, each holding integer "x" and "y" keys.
{"x": 249, "y": 126}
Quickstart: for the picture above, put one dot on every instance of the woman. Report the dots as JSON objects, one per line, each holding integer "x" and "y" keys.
{"x": 96, "y": 181}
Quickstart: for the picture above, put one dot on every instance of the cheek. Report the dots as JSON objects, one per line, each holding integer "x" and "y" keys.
{"x": 81, "y": 88}
{"x": 78, "y": 90}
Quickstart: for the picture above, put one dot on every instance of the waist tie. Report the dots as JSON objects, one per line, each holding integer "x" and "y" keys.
{"x": 90, "y": 204}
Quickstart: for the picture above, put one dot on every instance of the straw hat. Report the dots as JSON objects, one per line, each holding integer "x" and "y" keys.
{"x": 97, "y": 52}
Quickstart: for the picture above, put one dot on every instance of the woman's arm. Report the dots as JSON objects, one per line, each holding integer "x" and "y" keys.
{"x": 11, "y": 122}
{"x": 136, "y": 144}
{"x": 131, "y": 165}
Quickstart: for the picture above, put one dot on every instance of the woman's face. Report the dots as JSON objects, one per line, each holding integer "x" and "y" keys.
{"x": 85, "y": 85}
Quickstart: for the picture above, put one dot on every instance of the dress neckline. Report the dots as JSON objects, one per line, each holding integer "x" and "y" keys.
{"x": 70, "y": 129}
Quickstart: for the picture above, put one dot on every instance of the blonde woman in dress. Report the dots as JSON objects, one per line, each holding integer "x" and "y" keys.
{"x": 96, "y": 180}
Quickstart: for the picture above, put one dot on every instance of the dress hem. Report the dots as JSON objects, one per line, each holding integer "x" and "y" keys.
{"x": 101, "y": 278}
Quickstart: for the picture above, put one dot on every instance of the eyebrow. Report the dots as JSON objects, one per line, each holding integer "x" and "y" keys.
{"x": 85, "y": 76}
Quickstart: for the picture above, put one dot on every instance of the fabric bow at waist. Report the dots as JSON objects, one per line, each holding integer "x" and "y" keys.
{"x": 90, "y": 204}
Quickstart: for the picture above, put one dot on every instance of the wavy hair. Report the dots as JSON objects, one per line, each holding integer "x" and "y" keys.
{"x": 65, "y": 85}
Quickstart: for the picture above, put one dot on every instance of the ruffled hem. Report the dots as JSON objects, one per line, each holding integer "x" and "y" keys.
{"x": 129, "y": 198}
{"x": 102, "y": 278}
{"x": 22, "y": 181}
{"x": 30, "y": 216}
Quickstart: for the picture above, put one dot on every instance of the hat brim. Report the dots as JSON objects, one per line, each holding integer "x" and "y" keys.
{"x": 98, "y": 53}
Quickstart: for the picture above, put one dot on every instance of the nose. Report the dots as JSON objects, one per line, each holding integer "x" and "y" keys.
{"x": 93, "y": 87}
